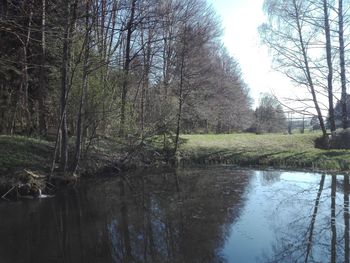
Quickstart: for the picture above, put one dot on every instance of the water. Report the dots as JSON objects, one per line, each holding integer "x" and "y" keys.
{"x": 195, "y": 215}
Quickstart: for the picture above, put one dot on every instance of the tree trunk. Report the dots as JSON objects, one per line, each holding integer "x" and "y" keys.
{"x": 147, "y": 65}
{"x": 25, "y": 84}
{"x": 64, "y": 86}
{"x": 303, "y": 125}
{"x": 81, "y": 113}
{"x": 180, "y": 102}
{"x": 130, "y": 28}
{"x": 329, "y": 65}
{"x": 43, "y": 76}
{"x": 307, "y": 70}
{"x": 342, "y": 66}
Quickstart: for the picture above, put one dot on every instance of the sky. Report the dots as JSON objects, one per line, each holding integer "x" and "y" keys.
{"x": 240, "y": 21}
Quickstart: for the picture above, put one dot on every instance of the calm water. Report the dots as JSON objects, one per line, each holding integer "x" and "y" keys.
{"x": 195, "y": 215}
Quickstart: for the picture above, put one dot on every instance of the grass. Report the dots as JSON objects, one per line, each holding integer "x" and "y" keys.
{"x": 17, "y": 152}
{"x": 20, "y": 153}
{"x": 293, "y": 151}
{"x": 279, "y": 150}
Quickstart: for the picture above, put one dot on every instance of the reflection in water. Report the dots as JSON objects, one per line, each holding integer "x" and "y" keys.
{"x": 298, "y": 218}
{"x": 346, "y": 190}
{"x": 313, "y": 219}
{"x": 333, "y": 223}
{"x": 211, "y": 215}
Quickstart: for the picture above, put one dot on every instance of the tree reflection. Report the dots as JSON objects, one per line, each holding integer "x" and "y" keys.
{"x": 127, "y": 254}
{"x": 333, "y": 223}
{"x": 325, "y": 238}
{"x": 346, "y": 190}
{"x": 313, "y": 219}
{"x": 170, "y": 217}
{"x": 270, "y": 177}
{"x": 179, "y": 216}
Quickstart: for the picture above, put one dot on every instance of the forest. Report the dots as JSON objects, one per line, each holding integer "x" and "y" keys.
{"x": 74, "y": 70}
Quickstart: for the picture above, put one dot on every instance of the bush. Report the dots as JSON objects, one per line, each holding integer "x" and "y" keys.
{"x": 339, "y": 140}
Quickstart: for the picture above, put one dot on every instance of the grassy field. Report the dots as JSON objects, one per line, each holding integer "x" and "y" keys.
{"x": 279, "y": 150}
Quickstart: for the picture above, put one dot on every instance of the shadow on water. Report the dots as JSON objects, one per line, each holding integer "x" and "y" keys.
{"x": 193, "y": 215}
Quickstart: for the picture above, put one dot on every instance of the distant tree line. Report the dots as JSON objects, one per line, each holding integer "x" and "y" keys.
{"x": 269, "y": 116}
{"x": 77, "y": 69}
{"x": 309, "y": 41}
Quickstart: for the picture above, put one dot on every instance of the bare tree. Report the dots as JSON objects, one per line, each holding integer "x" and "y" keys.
{"x": 327, "y": 31}
{"x": 290, "y": 38}
{"x": 81, "y": 111}
{"x": 43, "y": 75}
{"x": 64, "y": 87}
{"x": 193, "y": 38}
{"x": 69, "y": 10}
{"x": 342, "y": 65}
{"x": 130, "y": 29}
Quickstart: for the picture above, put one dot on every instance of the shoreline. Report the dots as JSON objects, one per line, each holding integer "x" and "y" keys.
{"x": 26, "y": 161}
{"x": 295, "y": 151}
{"x": 289, "y": 162}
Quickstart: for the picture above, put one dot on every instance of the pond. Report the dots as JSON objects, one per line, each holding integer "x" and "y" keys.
{"x": 218, "y": 214}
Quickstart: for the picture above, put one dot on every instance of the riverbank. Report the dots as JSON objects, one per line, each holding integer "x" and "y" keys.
{"x": 26, "y": 160}
{"x": 277, "y": 150}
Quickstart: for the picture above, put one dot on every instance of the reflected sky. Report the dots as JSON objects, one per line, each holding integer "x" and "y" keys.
{"x": 279, "y": 223}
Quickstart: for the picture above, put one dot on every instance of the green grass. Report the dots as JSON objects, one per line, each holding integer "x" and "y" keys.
{"x": 279, "y": 150}
{"x": 17, "y": 152}
{"x": 20, "y": 153}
